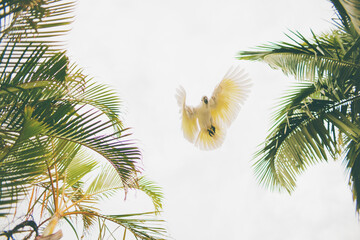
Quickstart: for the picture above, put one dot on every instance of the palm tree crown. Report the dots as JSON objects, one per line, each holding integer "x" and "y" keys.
{"x": 53, "y": 118}
{"x": 319, "y": 118}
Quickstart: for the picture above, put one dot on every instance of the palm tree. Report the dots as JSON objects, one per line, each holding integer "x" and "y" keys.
{"x": 51, "y": 117}
{"x": 77, "y": 184}
{"x": 319, "y": 118}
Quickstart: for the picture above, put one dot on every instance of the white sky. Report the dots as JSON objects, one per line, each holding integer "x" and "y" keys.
{"x": 146, "y": 49}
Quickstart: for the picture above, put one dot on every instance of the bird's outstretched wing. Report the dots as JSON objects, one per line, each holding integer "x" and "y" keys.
{"x": 229, "y": 95}
{"x": 189, "y": 116}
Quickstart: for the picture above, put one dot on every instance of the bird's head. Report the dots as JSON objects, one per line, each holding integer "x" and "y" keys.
{"x": 205, "y": 100}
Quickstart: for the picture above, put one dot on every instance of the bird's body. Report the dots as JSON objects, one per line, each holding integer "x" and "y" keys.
{"x": 204, "y": 115}
{"x": 206, "y": 124}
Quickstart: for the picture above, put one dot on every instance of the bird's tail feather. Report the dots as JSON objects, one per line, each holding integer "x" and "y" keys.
{"x": 209, "y": 139}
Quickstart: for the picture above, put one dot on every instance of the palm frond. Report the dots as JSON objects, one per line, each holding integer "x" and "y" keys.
{"x": 153, "y": 191}
{"x": 353, "y": 166}
{"x": 300, "y": 136}
{"x": 342, "y": 15}
{"x": 290, "y": 148}
{"x": 142, "y": 225}
{"x": 86, "y": 129}
{"x": 146, "y": 226}
{"x": 305, "y": 131}
{"x": 105, "y": 184}
{"x": 352, "y": 8}
{"x": 15, "y": 178}
{"x": 76, "y": 164}
{"x": 313, "y": 59}
{"x": 96, "y": 95}
{"x": 310, "y": 67}
{"x": 299, "y": 97}
{"x": 39, "y": 22}
{"x": 108, "y": 182}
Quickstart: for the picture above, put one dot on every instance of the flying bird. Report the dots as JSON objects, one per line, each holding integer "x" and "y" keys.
{"x": 206, "y": 124}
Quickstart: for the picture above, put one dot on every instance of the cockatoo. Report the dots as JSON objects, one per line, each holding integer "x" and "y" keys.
{"x": 206, "y": 124}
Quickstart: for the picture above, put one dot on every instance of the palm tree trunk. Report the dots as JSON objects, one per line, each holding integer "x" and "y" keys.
{"x": 56, "y": 236}
{"x": 51, "y": 226}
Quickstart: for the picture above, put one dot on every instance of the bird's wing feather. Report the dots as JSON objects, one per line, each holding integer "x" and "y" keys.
{"x": 229, "y": 95}
{"x": 189, "y": 116}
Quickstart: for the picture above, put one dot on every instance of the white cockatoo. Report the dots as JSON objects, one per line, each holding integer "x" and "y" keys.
{"x": 206, "y": 124}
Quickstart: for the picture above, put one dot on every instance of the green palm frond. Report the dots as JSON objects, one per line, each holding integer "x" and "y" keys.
{"x": 289, "y": 149}
{"x": 296, "y": 98}
{"x": 310, "y": 59}
{"x": 142, "y": 225}
{"x": 342, "y": 15}
{"x": 311, "y": 67}
{"x": 96, "y": 95}
{"x": 87, "y": 129}
{"x": 15, "y": 177}
{"x": 153, "y": 191}
{"x": 305, "y": 131}
{"x": 352, "y": 8}
{"x": 35, "y": 21}
{"x": 76, "y": 163}
{"x": 66, "y": 153}
{"x": 353, "y": 166}
{"x": 34, "y": 67}
{"x": 302, "y": 135}
{"x": 108, "y": 182}
{"x": 105, "y": 184}
{"x": 146, "y": 226}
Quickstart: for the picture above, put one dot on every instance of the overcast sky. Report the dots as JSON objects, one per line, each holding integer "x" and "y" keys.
{"x": 145, "y": 49}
